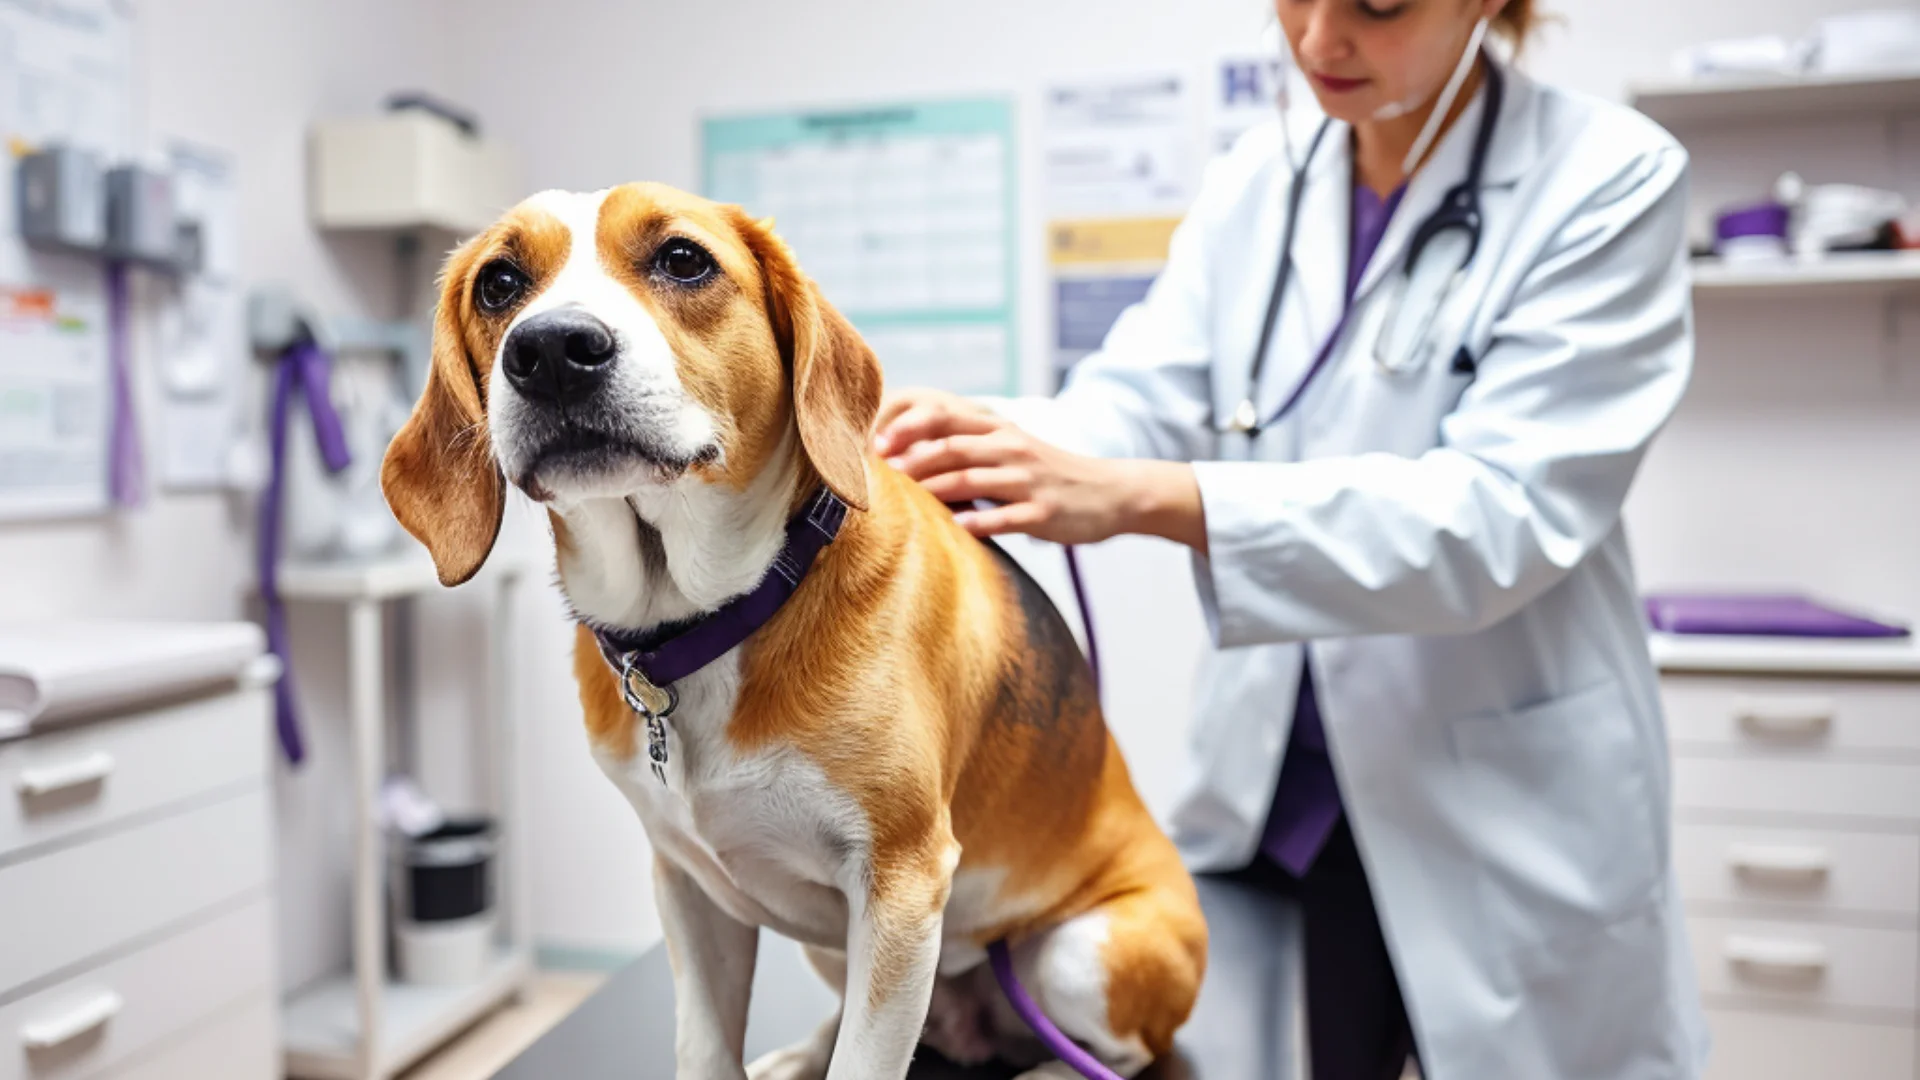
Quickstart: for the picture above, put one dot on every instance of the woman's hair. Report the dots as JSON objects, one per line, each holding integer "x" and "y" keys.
{"x": 1517, "y": 22}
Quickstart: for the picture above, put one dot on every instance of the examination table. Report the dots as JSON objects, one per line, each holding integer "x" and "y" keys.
{"x": 1244, "y": 1027}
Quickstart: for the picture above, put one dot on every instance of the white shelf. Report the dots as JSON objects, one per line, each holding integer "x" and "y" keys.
{"x": 1864, "y": 273}
{"x": 320, "y": 1028}
{"x": 1888, "y": 657}
{"x": 405, "y": 572}
{"x": 1773, "y": 99}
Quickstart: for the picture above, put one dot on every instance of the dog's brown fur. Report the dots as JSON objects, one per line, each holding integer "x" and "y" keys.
{"x": 917, "y": 667}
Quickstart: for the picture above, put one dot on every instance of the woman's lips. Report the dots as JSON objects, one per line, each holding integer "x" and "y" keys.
{"x": 1337, "y": 85}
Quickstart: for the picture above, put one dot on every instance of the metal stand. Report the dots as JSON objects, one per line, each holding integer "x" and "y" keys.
{"x": 361, "y": 1025}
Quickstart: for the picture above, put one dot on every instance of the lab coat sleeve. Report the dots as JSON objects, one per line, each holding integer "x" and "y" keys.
{"x": 1532, "y": 466}
{"x": 1147, "y": 392}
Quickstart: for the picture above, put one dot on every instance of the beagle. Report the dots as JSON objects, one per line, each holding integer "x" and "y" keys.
{"x": 906, "y": 761}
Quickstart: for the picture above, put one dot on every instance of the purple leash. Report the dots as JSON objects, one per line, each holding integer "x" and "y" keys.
{"x": 1086, "y": 612}
{"x": 1076, "y": 1057}
{"x": 998, "y": 955}
{"x": 304, "y": 368}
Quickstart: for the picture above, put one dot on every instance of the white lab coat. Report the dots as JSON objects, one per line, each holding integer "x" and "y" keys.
{"x": 1452, "y": 546}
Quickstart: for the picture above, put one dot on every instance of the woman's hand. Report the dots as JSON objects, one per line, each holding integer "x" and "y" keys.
{"x": 962, "y": 452}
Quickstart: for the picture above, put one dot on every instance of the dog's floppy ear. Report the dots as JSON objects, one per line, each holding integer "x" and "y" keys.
{"x": 439, "y": 475}
{"x": 836, "y": 380}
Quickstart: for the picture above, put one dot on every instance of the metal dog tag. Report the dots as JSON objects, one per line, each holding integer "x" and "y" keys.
{"x": 652, "y": 704}
{"x": 657, "y": 747}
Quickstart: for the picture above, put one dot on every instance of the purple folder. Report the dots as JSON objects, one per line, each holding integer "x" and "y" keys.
{"x": 1760, "y": 615}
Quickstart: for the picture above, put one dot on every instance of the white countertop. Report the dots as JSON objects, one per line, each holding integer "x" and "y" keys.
{"x": 57, "y": 670}
{"x": 1896, "y": 657}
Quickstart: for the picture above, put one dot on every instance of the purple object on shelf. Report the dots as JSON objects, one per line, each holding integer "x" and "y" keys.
{"x": 1760, "y": 219}
{"x": 1760, "y": 615}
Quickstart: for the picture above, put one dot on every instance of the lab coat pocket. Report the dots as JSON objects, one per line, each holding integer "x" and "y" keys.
{"x": 1565, "y": 826}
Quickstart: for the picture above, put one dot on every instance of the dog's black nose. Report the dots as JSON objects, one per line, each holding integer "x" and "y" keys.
{"x": 559, "y": 356}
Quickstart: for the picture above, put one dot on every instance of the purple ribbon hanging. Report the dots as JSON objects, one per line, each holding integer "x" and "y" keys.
{"x": 126, "y": 473}
{"x": 304, "y": 368}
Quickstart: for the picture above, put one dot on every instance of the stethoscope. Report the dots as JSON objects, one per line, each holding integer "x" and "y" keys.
{"x": 1397, "y": 349}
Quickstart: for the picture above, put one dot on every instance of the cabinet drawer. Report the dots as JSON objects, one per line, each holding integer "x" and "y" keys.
{"x": 1872, "y": 873}
{"x": 118, "y": 1012}
{"x": 240, "y": 1045}
{"x": 1796, "y": 786}
{"x": 1767, "y": 1046}
{"x": 1809, "y": 963}
{"x": 61, "y": 783}
{"x": 1808, "y": 715}
{"x": 77, "y": 902}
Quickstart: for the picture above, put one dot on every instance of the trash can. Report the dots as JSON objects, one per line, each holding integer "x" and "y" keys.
{"x": 446, "y": 923}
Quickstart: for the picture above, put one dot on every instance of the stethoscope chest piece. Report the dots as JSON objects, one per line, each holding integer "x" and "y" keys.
{"x": 1246, "y": 418}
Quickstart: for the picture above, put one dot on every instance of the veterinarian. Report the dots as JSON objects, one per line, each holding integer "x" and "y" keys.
{"x": 1392, "y": 387}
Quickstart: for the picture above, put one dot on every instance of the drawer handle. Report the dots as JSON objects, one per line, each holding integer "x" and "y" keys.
{"x": 1774, "y": 954}
{"x": 56, "y": 1031}
{"x": 1807, "y": 864}
{"x": 47, "y": 779}
{"x": 1801, "y": 718}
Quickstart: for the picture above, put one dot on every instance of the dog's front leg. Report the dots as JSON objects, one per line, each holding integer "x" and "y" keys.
{"x": 713, "y": 957}
{"x": 895, "y": 911}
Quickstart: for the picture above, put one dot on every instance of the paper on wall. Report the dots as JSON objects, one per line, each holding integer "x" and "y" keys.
{"x": 66, "y": 75}
{"x": 904, "y": 216}
{"x": 1118, "y": 174}
{"x": 1118, "y": 148}
{"x": 53, "y": 405}
{"x": 1246, "y": 90}
{"x": 202, "y": 359}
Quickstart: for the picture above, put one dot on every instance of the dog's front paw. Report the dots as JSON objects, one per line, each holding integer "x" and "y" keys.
{"x": 802, "y": 1061}
{"x": 791, "y": 1063}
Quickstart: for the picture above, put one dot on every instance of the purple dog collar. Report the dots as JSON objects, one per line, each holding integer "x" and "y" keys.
{"x": 648, "y": 665}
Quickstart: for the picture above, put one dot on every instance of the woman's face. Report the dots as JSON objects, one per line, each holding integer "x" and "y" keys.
{"x": 1366, "y": 56}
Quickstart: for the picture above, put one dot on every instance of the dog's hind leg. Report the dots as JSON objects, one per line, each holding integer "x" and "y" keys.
{"x": 808, "y": 1059}
{"x": 1118, "y": 980}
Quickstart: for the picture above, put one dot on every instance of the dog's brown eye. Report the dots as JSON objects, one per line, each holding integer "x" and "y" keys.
{"x": 499, "y": 287}
{"x": 684, "y": 261}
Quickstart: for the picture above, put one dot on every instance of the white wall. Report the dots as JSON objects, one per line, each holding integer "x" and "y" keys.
{"x": 1768, "y": 454}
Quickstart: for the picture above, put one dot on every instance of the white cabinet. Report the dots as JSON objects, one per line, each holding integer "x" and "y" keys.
{"x": 94, "y": 776}
{"x": 1797, "y": 851}
{"x": 118, "y": 1010}
{"x": 136, "y": 880}
{"x": 1797, "y": 871}
{"x": 1758, "y": 1045}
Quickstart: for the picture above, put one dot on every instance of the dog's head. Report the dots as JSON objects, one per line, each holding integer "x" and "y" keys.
{"x": 609, "y": 345}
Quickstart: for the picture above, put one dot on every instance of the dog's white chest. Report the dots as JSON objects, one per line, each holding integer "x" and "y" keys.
{"x": 764, "y": 834}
